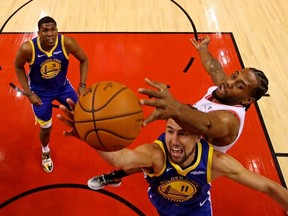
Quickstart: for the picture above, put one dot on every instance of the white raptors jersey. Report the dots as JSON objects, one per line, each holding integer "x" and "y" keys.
{"x": 205, "y": 105}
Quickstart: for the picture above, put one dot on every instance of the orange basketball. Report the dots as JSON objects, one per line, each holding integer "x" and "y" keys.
{"x": 108, "y": 116}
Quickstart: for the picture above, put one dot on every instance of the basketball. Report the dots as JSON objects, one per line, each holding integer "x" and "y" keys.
{"x": 108, "y": 116}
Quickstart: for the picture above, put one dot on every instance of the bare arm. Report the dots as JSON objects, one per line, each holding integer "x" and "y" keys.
{"x": 143, "y": 156}
{"x": 73, "y": 47}
{"x": 211, "y": 64}
{"x": 219, "y": 127}
{"x": 225, "y": 165}
{"x": 24, "y": 55}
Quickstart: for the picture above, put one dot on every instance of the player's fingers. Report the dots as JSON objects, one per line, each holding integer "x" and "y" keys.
{"x": 152, "y": 103}
{"x": 66, "y": 121}
{"x": 206, "y": 38}
{"x": 149, "y": 119}
{"x": 158, "y": 85}
{"x": 73, "y": 133}
{"x": 71, "y": 103}
{"x": 150, "y": 93}
{"x": 67, "y": 112}
{"x": 37, "y": 103}
{"x": 67, "y": 133}
{"x": 194, "y": 41}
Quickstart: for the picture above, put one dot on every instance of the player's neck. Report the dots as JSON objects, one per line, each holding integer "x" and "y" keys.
{"x": 45, "y": 47}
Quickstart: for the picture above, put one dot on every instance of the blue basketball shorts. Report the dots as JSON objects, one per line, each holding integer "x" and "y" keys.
{"x": 43, "y": 113}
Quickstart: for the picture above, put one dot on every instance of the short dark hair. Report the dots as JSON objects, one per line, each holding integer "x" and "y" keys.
{"x": 263, "y": 84}
{"x": 46, "y": 19}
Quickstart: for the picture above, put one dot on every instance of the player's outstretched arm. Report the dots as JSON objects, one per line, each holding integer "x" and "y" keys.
{"x": 211, "y": 64}
{"x": 215, "y": 125}
{"x": 143, "y": 156}
{"x": 225, "y": 165}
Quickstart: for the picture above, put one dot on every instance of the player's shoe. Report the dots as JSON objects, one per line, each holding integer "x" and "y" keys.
{"x": 47, "y": 163}
{"x": 99, "y": 182}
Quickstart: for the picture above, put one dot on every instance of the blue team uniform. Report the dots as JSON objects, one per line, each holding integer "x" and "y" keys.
{"x": 177, "y": 191}
{"x": 47, "y": 78}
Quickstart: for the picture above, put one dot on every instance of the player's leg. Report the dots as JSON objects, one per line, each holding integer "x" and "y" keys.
{"x": 113, "y": 179}
{"x": 68, "y": 92}
{"x": 43, "y": 116}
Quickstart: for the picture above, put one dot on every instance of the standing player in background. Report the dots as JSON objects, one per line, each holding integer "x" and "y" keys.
{"x": 219, "y": 116}
{"x": 47, "y": 56}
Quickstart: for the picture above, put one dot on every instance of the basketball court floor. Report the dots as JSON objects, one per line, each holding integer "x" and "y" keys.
{"x": 127, "y": 42}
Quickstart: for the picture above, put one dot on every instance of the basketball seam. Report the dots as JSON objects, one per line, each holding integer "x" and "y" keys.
{"x": 108, "y": 118}
{"x": 91, "y": 111}
{"x": 93, "y": 117}
{"x": 95, "y": 120}
{"x": 111, "y": 132}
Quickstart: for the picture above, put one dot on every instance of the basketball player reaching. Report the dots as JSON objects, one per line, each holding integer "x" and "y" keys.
{"x": 47, "y": 56}
{"x": 219, "y": 116}
{"x": 174, "y": 161}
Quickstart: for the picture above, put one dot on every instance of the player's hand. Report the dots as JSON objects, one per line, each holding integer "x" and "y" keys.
{"x": 34, "y": 99}
{"x": 81, "y": 90}
{"x": 68, "y": 119}
{"x": 164, "y": 103}
{"x": 201, "y": 43}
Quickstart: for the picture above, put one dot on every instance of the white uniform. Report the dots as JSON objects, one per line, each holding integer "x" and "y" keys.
{"x": 205, "y": 105}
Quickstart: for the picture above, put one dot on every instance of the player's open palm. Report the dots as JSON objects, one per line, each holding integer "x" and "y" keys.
{"x": 163, "y": 101}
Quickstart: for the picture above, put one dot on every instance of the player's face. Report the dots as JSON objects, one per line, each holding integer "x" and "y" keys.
{"x": 237, "y": 88}
{"x": 180, "y": 144}
{"x": 48, "y": 33}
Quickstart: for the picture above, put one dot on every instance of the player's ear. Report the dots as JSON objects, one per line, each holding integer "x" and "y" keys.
{"x": 248, "y": 101}
{"x": 198, "y": 136}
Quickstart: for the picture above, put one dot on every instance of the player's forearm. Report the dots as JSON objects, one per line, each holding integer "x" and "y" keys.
{"x": 279, "y": 194}
{"x": 21, "y": 74}
{"x": 125, "y": 159}
{"x": 211, "y": 65}
{"x": 112, "y": 158}
{"x": 83, "y": 71}
{"x": 191, "y": 119}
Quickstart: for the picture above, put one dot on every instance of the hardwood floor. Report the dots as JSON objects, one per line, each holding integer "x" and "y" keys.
{"x": 260, "y": 29}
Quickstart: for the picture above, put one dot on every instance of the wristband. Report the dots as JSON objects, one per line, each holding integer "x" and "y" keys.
{"x": 82, "y": 85}
{"x": 28, "y": 95}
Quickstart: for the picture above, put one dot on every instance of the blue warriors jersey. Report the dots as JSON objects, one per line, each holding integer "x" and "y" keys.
{"x": 177, "y": 191}
{"x": 47, "y": 78}
{"x": 48, "y": 70}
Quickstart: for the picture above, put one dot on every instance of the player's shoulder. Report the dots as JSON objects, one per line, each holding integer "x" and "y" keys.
{"x": 226, "y": 115}
{"x": 68, "y": 40}
{"x": 70, "y": 44}
{"x": 26, "y": 47}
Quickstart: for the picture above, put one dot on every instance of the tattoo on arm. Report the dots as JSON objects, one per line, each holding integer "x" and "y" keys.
{"x": 214, "y": 66}
{"x": 216, "y": 71}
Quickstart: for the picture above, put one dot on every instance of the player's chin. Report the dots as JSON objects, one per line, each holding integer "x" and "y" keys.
{"x": 176, "y": 158}
{"x": 51, "y": 41}
{"x": 220, "y": 95}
